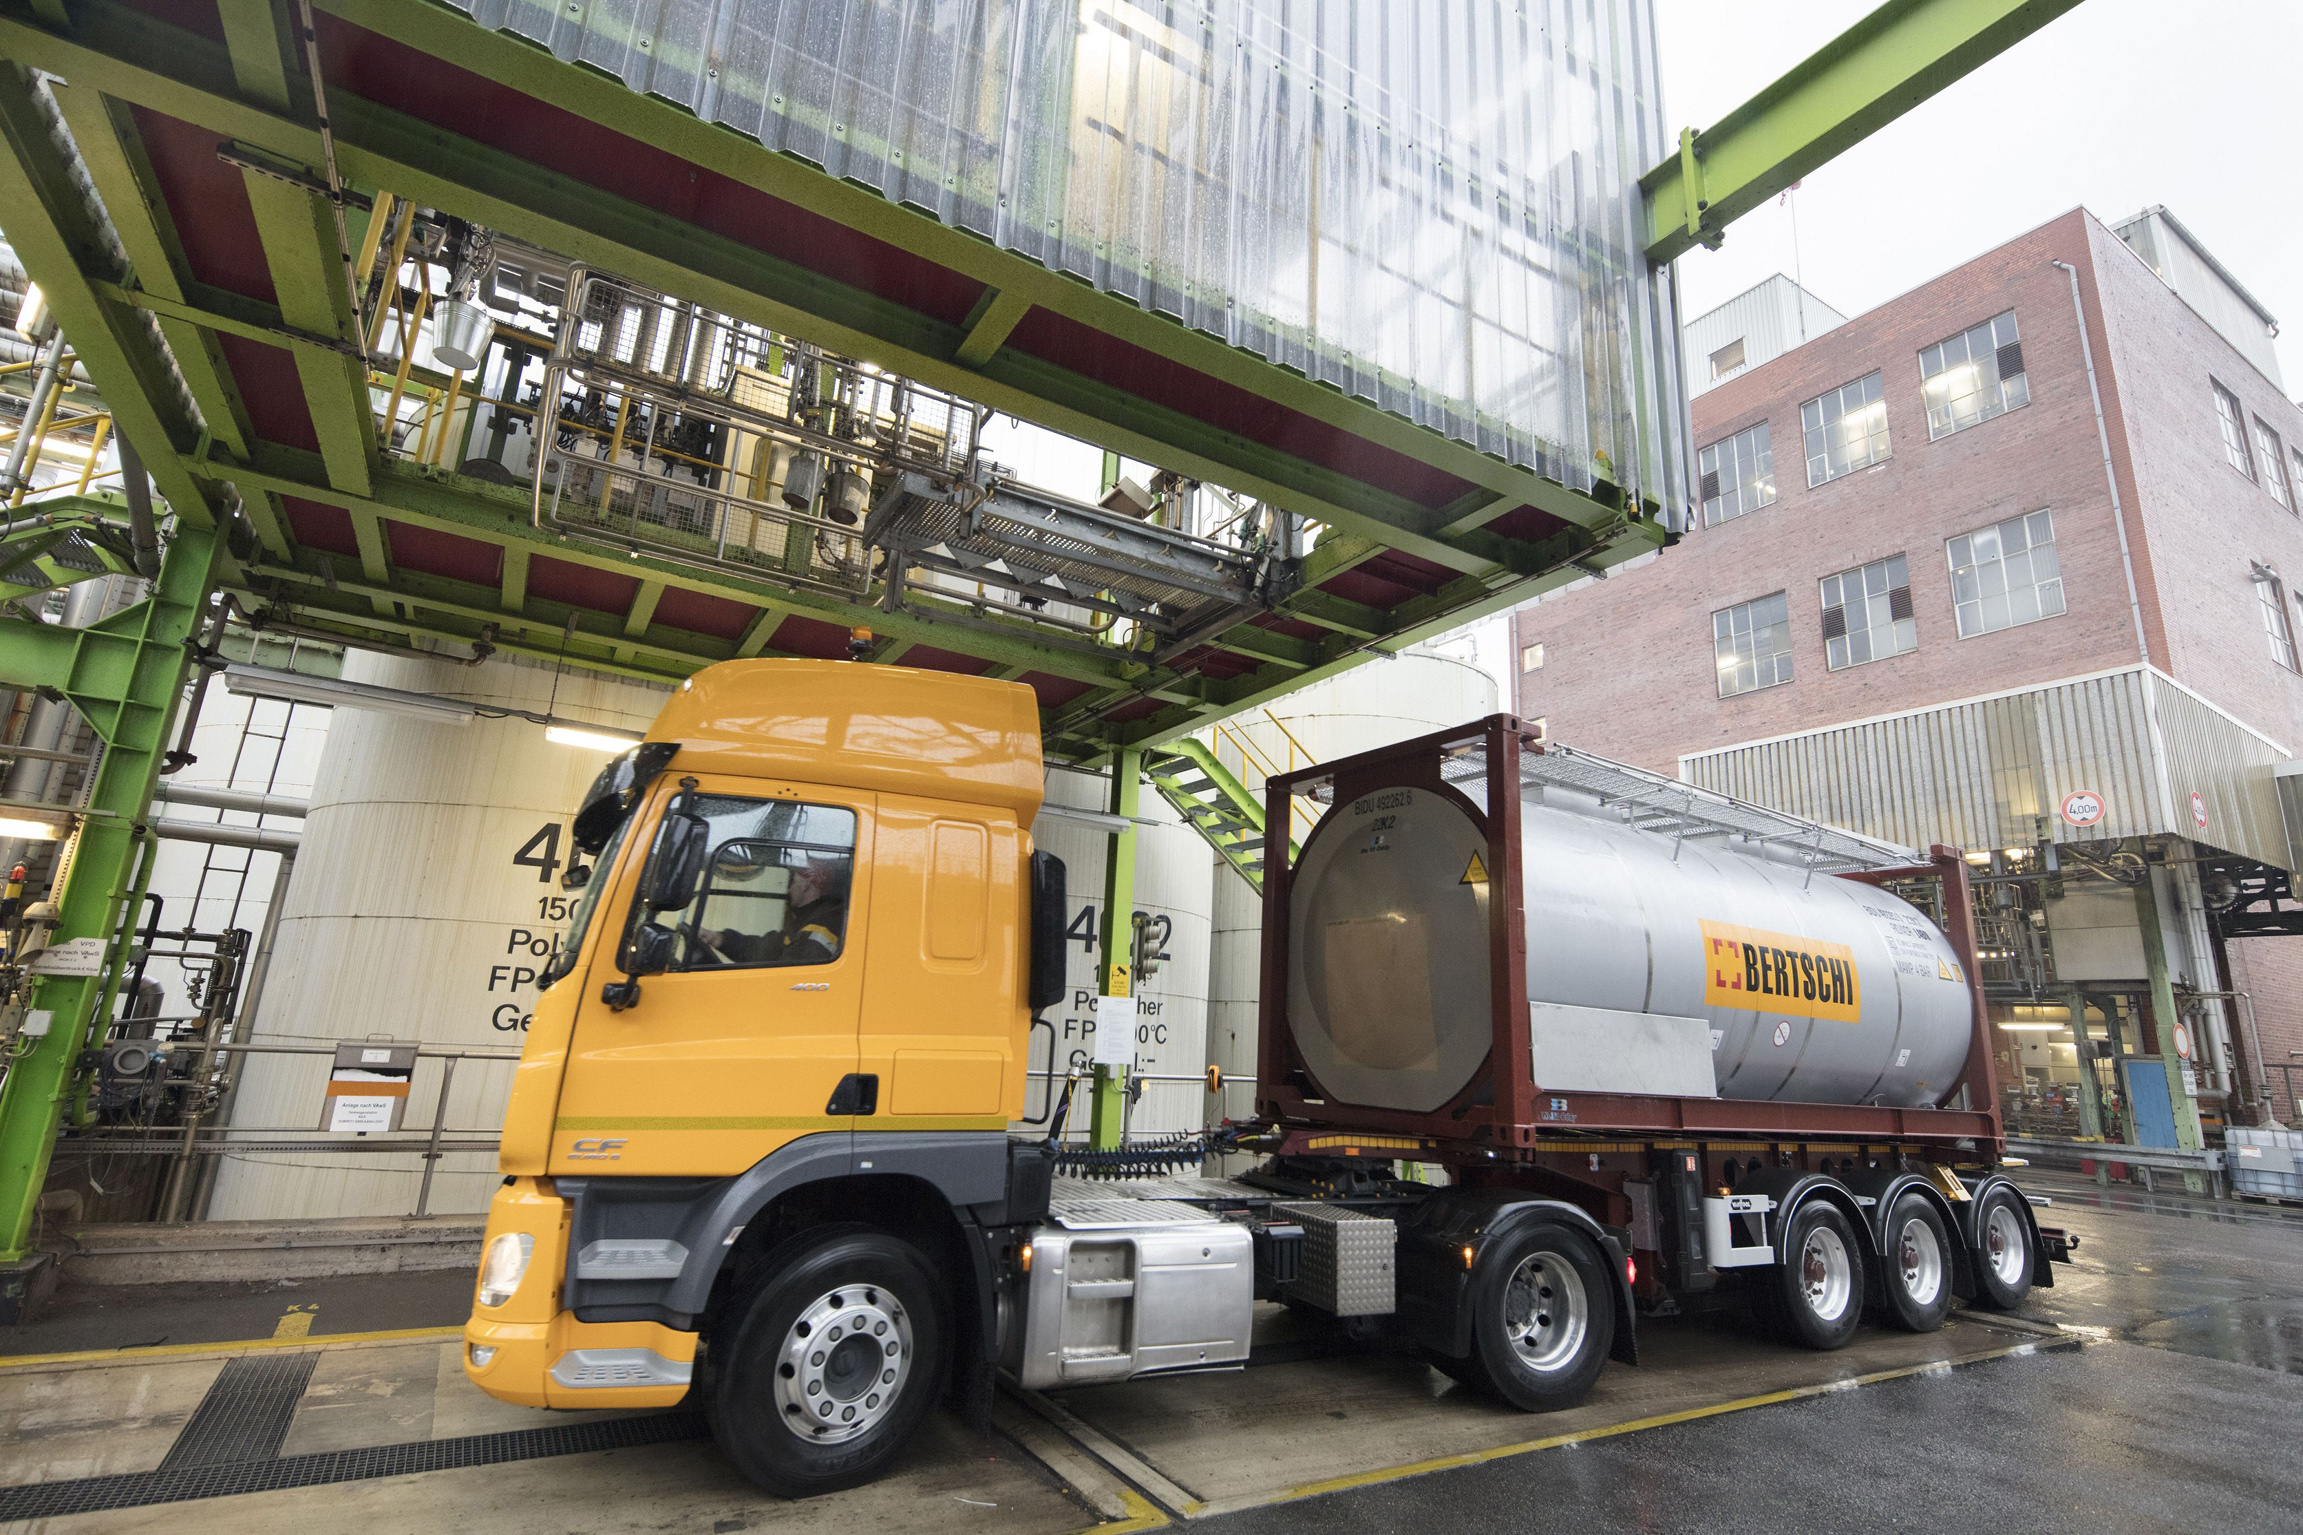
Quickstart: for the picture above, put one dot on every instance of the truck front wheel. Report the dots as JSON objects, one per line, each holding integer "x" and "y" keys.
{"x": 1545, "y": 1319}
{"x": 834, "y": 1357}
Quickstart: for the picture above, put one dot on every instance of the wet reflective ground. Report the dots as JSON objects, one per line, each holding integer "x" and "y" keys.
{"x": 2184, "y": 1412}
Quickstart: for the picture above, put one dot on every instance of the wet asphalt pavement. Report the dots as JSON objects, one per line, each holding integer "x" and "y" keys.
{"x": 2184, "y": 1411}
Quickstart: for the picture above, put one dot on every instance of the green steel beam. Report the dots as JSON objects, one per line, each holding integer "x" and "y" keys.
{"x": 49, "y": 226}
{"x": 114, "y": 156}
{"x": 1115, "y": 968}
{"x": 1865, "y": 78}
{"x": 309, "y": 265}
{"x": 125, "y": 674}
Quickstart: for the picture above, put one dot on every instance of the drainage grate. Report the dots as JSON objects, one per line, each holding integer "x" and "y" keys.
{"x": 246, "y": 1413}
{"x": 49, "y": 1500}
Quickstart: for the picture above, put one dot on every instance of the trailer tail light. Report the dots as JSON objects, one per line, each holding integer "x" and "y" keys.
{"x": 1467, "y": 1257}
{"x": 1024, "y": 1257}
{"x": 1630, "y": 1270}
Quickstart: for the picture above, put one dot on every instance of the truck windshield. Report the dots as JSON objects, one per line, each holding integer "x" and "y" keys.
{"x": 601, "y": 822}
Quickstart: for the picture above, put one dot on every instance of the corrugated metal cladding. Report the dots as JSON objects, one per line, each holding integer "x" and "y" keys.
{"x": 1769, "y": 320}
{"x": 2203, "y": 282}
{"x": 1433, "y": 207}
{"x": 1982, "y": 773}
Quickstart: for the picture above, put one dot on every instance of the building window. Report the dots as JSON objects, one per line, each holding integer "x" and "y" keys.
{"x": 1867, "y": 614}
{"x": 1973, "y": 377}
{"x": 2274, "y": 461}
{"x": 1738, "y": 475}
{"x": 1753, "y": 644}
{"x": 2234, "y": 435}
{"x": 2271, "y": 596}
{"x": 2294, "y": 478}
{"x": 1846, "y": 430}
{"x": 1727, "y": 359}
{"x": 1531, "y": 657}
{"x": 2006, "y": 575}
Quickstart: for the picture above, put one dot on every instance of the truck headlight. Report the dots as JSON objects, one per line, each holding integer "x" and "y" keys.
{"x": 505, "y": 1265}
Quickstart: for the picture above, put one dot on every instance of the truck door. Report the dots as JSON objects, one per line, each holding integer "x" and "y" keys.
{"x": 944, "y": 1020}
{"x": 746, "y": 1039}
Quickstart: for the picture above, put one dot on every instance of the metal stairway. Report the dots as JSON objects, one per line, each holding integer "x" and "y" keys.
{"x": 1213, "y": 802}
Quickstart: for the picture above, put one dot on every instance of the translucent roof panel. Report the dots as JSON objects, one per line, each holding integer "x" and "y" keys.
{"x": 1431, "y": 204}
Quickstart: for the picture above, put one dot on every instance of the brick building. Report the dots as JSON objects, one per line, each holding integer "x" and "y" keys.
{"x": 1967, "y": 572}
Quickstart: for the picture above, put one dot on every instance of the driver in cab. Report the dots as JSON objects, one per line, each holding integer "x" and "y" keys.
{"x": 747, "y": 878}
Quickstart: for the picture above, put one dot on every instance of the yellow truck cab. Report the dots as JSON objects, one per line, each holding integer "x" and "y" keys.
{"x": 756, "y": 1143}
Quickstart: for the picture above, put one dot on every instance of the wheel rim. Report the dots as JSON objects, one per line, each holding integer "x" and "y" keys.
{"x": 843, "y": 1364}
{"x": 1826, "y": 1274}
{"x": 1546, "y": 1311}
{"x": 1919, "y": 1261}
{"x": 2003, "y": 1244}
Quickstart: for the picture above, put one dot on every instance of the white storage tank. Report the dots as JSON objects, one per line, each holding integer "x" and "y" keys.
{"x": 1414, "y": 693}
{"x": 1174, "y": 887}
{"x": 425, "y": 900}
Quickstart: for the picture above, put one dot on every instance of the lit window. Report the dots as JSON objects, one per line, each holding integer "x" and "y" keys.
{"x": 1867, "y": 614}
{"x": 1738, "y": 475}
{"x": 2274, "y": 462}
{"x": 2234, "y": 435}
{"x": 1973, "y": 377}
{"x": 1531, "y": 657}
{"x": 1846, "y": 430}
{"x": 1752, "y": 642}
{"x": 2006, "y": 575}
{"x": 2271, "y": 596}
{"x": 1727, "y": 359}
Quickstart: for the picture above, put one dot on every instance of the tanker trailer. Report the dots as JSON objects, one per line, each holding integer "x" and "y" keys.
{"x": 1674, "y": 1050}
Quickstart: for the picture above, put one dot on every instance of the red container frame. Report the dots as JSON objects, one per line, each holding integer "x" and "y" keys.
{"x": 1504, "y": 1108}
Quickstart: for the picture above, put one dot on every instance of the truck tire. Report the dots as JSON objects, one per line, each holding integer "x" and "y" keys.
{"x": 1543, "y": 1319}
{"x": 1815, "y": 1296}
{"x": 829, "y": 1362}
{"x": 2002, "y": 1249}
{"x": 1915, "y": 1269}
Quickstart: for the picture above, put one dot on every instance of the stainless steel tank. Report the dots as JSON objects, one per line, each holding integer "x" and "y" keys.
{"x": 1648, "y": 960}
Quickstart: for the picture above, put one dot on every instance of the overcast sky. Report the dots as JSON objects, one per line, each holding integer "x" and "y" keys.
{"x": 2116, "y": 105}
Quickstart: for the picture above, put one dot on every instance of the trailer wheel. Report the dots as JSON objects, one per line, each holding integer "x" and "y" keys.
{"x": 1916, "y": 1267}
{"x": 1815, "y": 1296}
{"x": 831, "y": 1362}
{"x": 1545, "y": 1319}
{"x": 2003, "y": 1249}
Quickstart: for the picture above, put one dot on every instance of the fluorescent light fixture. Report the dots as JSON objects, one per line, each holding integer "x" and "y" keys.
{"x": 2026, "y": 1028}
{"x": 32, "y": 314}
{"x": 28, "y": 830}
{"x": 592, "y": 738}
{"x": 295, "y": 687}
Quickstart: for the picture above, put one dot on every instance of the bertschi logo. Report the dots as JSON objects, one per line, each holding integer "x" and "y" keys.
{"x": 1745, "y": 968}
{"x": 596, "y": 1151}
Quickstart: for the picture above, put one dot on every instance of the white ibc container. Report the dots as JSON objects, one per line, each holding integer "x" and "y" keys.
{"x": 425, "y": 900}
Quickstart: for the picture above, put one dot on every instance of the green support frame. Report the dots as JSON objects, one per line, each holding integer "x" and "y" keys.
{"x": 1115, "y": 968}
{"x": 1859, "y": 82}
{"x": 125, "y": 674}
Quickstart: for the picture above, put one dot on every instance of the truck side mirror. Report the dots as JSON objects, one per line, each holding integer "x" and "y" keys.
{"x": 1047, "y": 934}
{"x": 676, "y": 863}
{"x": 647, "y": 950}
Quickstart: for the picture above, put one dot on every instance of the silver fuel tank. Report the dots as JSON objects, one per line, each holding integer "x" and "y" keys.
{"x": 1653, "y": 966}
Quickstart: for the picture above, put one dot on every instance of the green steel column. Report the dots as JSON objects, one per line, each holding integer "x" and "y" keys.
{"x": 125, "y": 674}
{"x": 2090, "y": 1109}
{"x": 2165, "y": 1018}
{"x": 1115, "y": 973}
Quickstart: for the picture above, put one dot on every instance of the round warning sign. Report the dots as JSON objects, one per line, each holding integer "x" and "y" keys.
{"x": 2082, "y": 807}
{"x": 2183, "y": 1041}
{"x": 1782, "y": 1033}
{"x": 2198, "y": 810}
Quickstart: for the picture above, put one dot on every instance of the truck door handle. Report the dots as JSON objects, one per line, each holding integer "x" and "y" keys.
{"x": 858, "y": 1093}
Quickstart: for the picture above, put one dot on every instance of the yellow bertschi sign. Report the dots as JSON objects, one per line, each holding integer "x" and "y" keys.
{"x": 1745, "y": 968}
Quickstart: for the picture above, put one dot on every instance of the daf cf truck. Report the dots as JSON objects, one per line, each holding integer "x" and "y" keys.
{"x": 758, "y": 1151}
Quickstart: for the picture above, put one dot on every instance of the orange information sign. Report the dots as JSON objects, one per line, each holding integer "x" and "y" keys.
{"x": 1746, "y": 968}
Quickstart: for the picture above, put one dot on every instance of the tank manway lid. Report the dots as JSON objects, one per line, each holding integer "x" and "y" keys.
{"x": 1669, "y": 808}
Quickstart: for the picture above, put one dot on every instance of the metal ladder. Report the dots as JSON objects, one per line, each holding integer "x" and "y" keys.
{"x": 1212, "y": 802}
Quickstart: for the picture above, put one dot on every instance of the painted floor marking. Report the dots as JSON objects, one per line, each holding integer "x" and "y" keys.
{"x": 234, "y": 1346}
{"x": 1198, "y": 1510}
